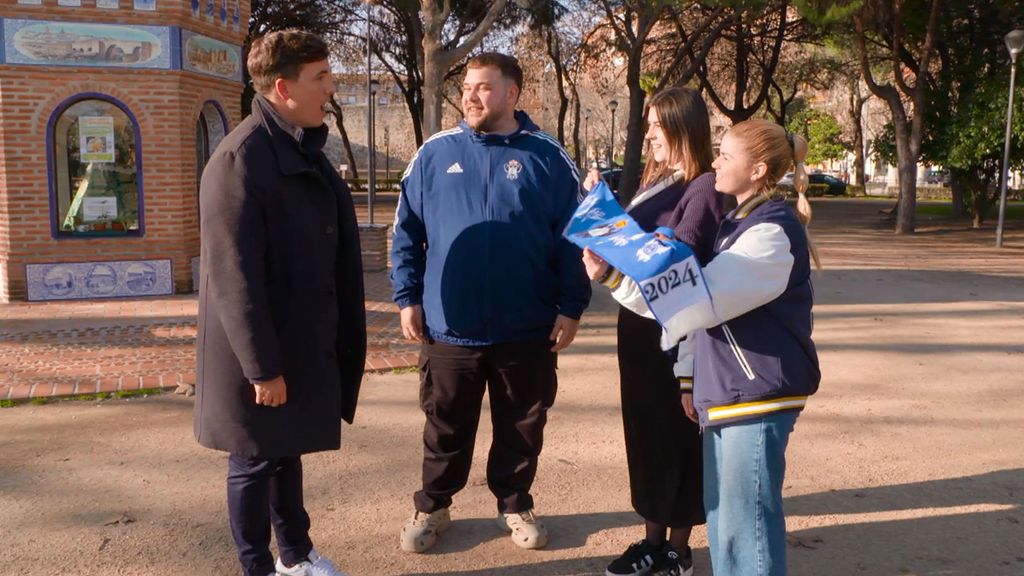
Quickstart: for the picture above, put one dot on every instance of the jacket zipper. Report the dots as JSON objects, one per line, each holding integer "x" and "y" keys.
{"x": 744, "y": 365}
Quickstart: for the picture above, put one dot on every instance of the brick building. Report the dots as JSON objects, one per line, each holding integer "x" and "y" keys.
{"x": 108, "y": 112}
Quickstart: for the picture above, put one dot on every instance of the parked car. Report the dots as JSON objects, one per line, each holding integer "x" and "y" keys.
{"x": 612, "y": 177}
{"x": 937, "y": 177}
{"x": 836, "y": 187}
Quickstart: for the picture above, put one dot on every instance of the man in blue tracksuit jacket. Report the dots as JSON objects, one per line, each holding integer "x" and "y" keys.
{"x": 490, "y": 288}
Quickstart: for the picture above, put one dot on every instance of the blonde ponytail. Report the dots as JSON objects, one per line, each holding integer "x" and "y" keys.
{"x": 768, "y": 142}
{"x": 803, "y": 206}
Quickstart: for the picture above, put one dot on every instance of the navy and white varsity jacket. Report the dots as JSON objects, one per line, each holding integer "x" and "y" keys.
{"x": 478, "y": 236}
{"x": 753, "y": 354}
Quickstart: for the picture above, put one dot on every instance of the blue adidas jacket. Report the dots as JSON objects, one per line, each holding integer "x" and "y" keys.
{"x": 478, "y": 236}
{"x": 753, "y": 354}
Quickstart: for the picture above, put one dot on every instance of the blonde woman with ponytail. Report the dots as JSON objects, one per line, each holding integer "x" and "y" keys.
{"x": 755, "y": 364}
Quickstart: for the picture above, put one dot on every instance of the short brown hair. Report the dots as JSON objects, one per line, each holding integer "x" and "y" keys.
{"x": 508, "y": 65}
{"x": 282, "y": 54}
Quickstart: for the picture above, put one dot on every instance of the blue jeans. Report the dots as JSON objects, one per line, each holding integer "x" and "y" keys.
{"x": 744, "y": 466}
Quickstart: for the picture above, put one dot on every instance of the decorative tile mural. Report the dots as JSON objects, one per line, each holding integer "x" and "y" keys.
{"x": 212, "y": 57}
{"x": 52, "y": 43}
{"x": 91, "y": 280}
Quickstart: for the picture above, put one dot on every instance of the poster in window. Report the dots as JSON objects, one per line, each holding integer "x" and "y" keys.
{"x": 69, "y": 2}
{"x": 96, "y": 138}
{"x": 147, "y": 5}
{"x": 97, "y": 208}
{"x": 107, "y": 4}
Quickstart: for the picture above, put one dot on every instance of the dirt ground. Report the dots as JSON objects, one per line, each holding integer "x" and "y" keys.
{"x": 909, "y": 460}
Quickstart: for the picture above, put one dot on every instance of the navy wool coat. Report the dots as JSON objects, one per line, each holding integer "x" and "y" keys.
{"x": 281, "y": 293}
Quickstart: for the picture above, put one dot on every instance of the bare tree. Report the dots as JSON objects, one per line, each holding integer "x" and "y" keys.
{"x": 880, "y": 31}
{"x": 631, "y": 23}
{"x": 438, "y": 56}
{"x": 737, "y": 76}
{"x": 856, "y": 99}
{"x": 339, "y": 123}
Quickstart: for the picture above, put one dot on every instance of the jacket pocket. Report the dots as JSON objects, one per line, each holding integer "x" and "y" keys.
{"x": 738, "y": 353}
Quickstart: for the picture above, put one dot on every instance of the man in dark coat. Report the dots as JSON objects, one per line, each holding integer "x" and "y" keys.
{"x": 282, "y": 323}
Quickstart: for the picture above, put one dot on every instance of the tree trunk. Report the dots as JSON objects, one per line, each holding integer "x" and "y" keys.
{"x": 907, "y": 203}
{"x": 906, "y": 163}
{"x": 630, "y": 179}
{"x": 980, "y": 205}
{"x": 957, "y": 185}
{"x": 339, "y": 123}
{"x": 577, "y": 152}
{"x": 437, "y": 61}
{"x": 857, "y": 114}
{"x": 860, "y": 174}
{"x": 435, "y": 66}
{"x": 417, "y": 117}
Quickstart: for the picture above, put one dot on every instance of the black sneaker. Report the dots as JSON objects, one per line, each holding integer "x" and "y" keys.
{"x": 637, "y": 560}
{"x": 669, "y": 562}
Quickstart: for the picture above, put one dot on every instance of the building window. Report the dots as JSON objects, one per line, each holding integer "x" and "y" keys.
{"x": 96, "y": 169}
{"x": 211, "y": 127}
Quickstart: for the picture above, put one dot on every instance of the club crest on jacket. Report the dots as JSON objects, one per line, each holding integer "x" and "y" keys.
{"x": 512, "y": 169}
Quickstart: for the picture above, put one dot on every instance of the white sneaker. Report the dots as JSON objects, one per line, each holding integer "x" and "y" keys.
{"x": 315, "y": 565}
{"x": 527, "y": 531}
{"x": 421, "y": 531}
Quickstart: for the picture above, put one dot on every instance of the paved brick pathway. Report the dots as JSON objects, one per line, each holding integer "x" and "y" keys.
{"x": 77, "y": 347}
{"x": 86, "y": 347}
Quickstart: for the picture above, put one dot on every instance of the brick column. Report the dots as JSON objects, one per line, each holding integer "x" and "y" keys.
{"x": 373, "y": 239}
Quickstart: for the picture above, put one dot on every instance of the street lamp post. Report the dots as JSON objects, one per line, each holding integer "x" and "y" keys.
{"x": 371, "y": 178}
{"x": 371, "y": 91}
{"x": 1014, "y": 43}
{"x": 612, "y": 105}
{"x": 387, "y": 156}
{"x": 586, "y": 137}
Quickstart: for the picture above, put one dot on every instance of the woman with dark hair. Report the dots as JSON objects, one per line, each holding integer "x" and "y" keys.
{"x": 663, "y": 446}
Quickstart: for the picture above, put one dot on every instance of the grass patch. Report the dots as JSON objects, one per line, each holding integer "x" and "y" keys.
{"x": 41, "y": 401}
{"x": 88, "y": 397}
{"x": 140, "y": 392}
{"x": 1014, "y": 210}
{"x": 406, "y": 370}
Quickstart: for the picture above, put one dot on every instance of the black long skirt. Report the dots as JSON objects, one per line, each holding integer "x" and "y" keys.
{"x": 663, "y": 446}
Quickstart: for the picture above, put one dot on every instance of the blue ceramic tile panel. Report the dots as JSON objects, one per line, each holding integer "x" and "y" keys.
{"x": 84, "y": 44}
{"x": 91, "y": 280}
{"x": 209, "y": 56}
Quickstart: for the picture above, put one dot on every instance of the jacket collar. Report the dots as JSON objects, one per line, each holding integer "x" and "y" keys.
{"x": 655, "y": 189}
{"x": 748, "y": 206}
{"x": 526, "y": 127}
{"x": 292, "y": 145}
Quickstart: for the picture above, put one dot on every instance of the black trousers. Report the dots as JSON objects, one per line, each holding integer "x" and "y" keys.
{"x": 261, "y": 492}
{"x": 520, "y": 379}
{"x": 663, "y": 446}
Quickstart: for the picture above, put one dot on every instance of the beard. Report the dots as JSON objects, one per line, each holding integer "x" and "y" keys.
{"x": 485, "y": 122}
